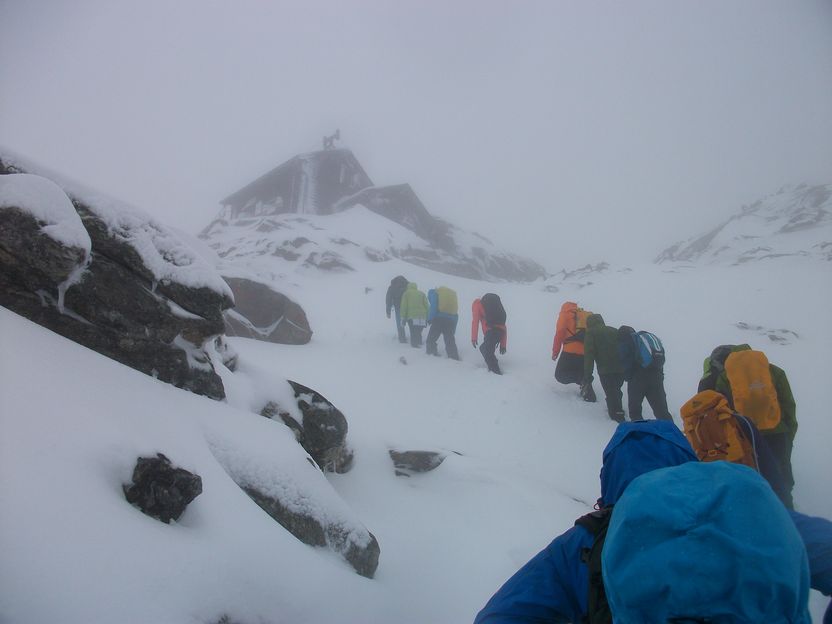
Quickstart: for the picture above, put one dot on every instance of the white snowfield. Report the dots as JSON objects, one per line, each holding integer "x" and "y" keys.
{"x": 168, "y": 256}
{"x": 46, "y": 202}
{"x": 73, "y": 422}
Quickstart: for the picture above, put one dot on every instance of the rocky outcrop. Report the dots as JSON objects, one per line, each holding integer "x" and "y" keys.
{"x": 794, "y": 222}
{"x": 408, "y": 463}
{"x": 161, "y": 490}
{"x": 321, "y": 430}
{"x": 265, "y": 314}
{"x": 139, "y": 296}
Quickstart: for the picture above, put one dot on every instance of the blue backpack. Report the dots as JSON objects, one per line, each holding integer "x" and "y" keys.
{"x": 649, "y": 349}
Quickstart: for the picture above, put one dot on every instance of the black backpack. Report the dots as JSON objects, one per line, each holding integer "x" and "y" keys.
{"x": 495, "y": 314}
{"x": 597, "y": 522}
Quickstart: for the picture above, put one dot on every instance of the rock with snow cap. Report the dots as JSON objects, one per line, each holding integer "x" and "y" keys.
{"x": 160, "y": 489}
{"x": 262, "y": 313}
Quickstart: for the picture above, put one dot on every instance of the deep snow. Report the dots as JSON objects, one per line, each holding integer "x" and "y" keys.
{"x": 74, "y": 422}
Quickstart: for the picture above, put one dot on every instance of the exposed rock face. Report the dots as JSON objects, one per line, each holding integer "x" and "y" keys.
{"x": 408, "y": 463}
{"x": 322, "y": 432}
{"x": 264, "y": 314}
{"x": 794, "y": 222}
{"x": 114, "y": 303}
{"x": 160, "y": 490}
{"x": 310, "y": 530}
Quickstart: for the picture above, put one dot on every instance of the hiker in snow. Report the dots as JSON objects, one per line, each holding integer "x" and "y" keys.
{"x": 657, "y": 506}
{"x": 642, "y": 356}
{"x": 414, "y": 312}
{"x": 394, "y": 301}
{"x": 758, "y": 390}
{"x": 570, "y": 331}
{"x": 601, "y": 347}
{"x": 716, "y": 432}
{"x": 443, "y": 315}
{"x": 488, "y": 312}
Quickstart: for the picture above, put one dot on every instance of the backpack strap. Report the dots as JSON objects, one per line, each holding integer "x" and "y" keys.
{"x": 597, "y": 522}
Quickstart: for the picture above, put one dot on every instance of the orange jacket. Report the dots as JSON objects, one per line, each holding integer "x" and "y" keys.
{"x": 478, "y": 316}
{"x": 565, "y": 329}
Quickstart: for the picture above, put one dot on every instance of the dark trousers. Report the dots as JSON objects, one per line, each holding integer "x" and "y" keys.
{"x": 780, "y": 445}
{"x": 415, "y": 333}
{"x": 612, "y": 383}
{"x": 400, "y": 326}
{"x": 570, "y": 368}
{"x": 647, "y": 383}
{"x": 489, "y": 345}
{"x": 445, "y": 327}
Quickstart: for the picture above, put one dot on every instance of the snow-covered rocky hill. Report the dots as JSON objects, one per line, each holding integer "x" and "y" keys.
{"x": 520, "y": 453}
{"x": 296, "y": 216}
{"x": 795, "y": 221}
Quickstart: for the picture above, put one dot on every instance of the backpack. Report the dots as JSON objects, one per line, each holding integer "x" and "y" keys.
{"x": 649, "y": 350}
{"x": 715, "y": 432}
{"x": 579, "y": 331}
{"x": 446, "y": 301}
{"x": 596, "y": 522}
{"x": 495, "y": 314}
{"x": 752, "y": 388}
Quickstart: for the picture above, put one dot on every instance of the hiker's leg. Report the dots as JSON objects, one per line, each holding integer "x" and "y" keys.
{"x": 570, "y": 368}
{"x": 611, "y": 384}
{"x": 417, "y": 331}
{"x": 780, "y": 445}
{"x": 656, "y": 396}
{"x": 400, "y": 325}
{"x": 433, "y": 336}
{"x": 635, "y": 395}
{"x": 448, "y": 336}
{"x": 487, "y": 348}
{"x": 414, "y": 341}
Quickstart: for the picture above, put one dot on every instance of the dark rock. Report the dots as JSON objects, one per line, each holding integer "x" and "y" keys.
{"x": 408, "y": 463}
{"x": 324, "y": 430}
{"x": 363, "y": 557}
{"x": 264, "y": 314}
{"x": 160, "y": 490}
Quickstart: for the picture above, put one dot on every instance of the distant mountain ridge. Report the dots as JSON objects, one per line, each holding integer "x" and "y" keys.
{"x": 326, "y": 183}
{"x": 795, "y": 221}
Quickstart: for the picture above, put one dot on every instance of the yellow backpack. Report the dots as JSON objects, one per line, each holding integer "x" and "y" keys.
{"x": 714, "y": 432}
{"x": 446, "y": 300}
{"x": 752, "y": 388}
{"x": 581, "y": 316}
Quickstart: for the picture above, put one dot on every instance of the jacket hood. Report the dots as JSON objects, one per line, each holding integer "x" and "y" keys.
{"x": 595, "y": 320}
{"x": 639, "y": 447}
{"x": 569, "y": 305}
{"x": 412, "y": 286}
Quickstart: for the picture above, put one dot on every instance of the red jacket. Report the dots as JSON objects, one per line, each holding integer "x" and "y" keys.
{"x": 478, "y": 316}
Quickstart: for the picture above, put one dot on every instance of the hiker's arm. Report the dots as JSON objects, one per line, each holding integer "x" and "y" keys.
{"x": 788, "y": 407}
{"x": 432, "y": 305}
{"x": 589, "y": 356}
{"x": 551, "y": 588}
{"x": 817, "y": 536}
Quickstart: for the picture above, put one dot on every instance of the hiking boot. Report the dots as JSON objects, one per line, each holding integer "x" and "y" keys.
{"x": 617, "y": 416}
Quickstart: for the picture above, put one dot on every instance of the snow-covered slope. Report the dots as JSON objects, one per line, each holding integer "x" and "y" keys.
{"x": 795, "y": 221}
{"x": 72, "y": 423}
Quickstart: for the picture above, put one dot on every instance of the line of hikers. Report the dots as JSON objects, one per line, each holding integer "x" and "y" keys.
{"x": 703, "y": 528}
{"x": 440, "y": 309}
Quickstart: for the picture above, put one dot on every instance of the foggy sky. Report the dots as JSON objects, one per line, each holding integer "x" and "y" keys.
{"x": 567, "y": 132}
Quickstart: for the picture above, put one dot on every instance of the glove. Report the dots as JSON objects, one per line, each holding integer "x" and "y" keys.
{"x": 502, "y": 350}
{"x": 474, "y": 343}
{"x": 554, "y": 357}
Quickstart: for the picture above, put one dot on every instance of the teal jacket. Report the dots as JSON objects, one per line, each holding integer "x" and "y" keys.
{"x": 601, "y": 348}
{"x": 414, "y": 303}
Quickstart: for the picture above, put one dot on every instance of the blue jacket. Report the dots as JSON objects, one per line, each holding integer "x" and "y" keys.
{"x": 553, "y": 586}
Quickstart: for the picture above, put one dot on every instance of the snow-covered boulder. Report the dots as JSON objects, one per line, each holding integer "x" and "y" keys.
{"x": 408, "y": 463}
{"x": 108, "y": 276}
{"x": 319, "y": 426}
{"x": 265, "y": 314}
{"x": 795, "y": 221}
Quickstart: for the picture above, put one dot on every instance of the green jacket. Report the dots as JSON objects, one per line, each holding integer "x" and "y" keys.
{"x": 601, "y": 347}
{"x": 414, "y": 303}
{"x": 788, "y": 407}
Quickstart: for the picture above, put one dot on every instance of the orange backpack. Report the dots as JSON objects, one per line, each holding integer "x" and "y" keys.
{"x": 714, "y": 432}
{"x": 752, "y": 388}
